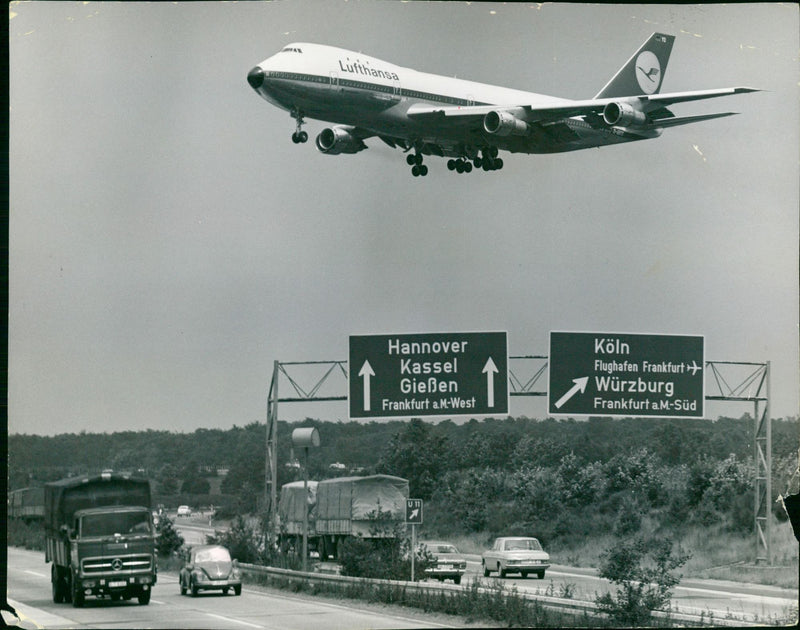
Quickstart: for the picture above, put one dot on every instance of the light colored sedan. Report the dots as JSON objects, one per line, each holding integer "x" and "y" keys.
{"x": 447, "y": 562}
{"x": 515, "y": 554}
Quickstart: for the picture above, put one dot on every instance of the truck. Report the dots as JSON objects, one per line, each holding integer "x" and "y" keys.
{"x": 100, "y": 538}
{"x": 26, "y": 504}
{"x": 294, "y": 500}
{"x": 367, "y": 507}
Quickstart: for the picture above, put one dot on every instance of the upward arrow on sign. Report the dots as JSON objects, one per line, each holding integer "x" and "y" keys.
{"x": 490, "y": 369}
{"x": 366, "y": 372}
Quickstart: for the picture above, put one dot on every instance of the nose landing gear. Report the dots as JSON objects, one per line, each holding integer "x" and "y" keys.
{"x": 299, "y": 136}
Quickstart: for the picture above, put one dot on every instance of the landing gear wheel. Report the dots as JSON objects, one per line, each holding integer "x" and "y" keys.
{"x": 417, "y": 167}
{"x": 299, "y": 136}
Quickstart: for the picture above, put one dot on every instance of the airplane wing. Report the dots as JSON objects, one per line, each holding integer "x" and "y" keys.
{"x": 534, "y": 113}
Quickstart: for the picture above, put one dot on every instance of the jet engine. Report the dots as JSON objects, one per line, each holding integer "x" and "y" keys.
{"x": 336, "y": 140}
{"x": 623, "y": 115}
{"x": 502, "y": 123}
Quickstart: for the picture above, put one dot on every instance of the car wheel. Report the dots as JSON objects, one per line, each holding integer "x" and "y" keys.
{"x": 524, "y": 574}
{"x": 183, "y": 586}
{"x": 237, "y": 590}
{"x": 225, "y": 591}
{"x": 194, "y": 589}
{"x": 485, "y": 570}
{"x": 540, "y": 574}
{"x": 457, "y": 579}
{"x": 501, "y": 571}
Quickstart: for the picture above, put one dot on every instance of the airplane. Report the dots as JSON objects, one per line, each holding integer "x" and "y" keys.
{"x": 694, "y": 367}
{"x": 427, "y": 114}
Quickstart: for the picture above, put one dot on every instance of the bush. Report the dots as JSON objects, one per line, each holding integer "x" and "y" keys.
{"x": 242, "y": 540}
{"x": 168, "y": 540}
{"x": 385, "y": 556}
{"x": 642, "y": 569}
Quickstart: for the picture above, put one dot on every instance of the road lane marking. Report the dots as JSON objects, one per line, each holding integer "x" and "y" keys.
{"x": 231, "y": 619}
{"x": 37, "y": 574}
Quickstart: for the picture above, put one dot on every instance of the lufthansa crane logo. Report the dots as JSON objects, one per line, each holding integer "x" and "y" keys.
{"x": 648, "y": 72}
{"x": 116, "y": 564}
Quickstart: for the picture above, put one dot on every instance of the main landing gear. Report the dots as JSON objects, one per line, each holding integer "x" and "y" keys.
{"x": 418, "y": 169}
{"x": 299, "y": 136}
{"x": 488, "y": 161}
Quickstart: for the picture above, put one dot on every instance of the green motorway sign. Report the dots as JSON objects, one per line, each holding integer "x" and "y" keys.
{"x": 626, "y": 374}
{"x": 428, "y": 374}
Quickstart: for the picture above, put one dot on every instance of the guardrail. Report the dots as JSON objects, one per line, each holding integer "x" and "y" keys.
{"x": 566, "y": 606}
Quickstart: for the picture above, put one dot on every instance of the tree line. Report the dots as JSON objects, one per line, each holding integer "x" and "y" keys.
{"x": 494, "y": 474}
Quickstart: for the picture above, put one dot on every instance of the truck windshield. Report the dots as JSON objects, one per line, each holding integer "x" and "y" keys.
{"x": 115, "y": 523}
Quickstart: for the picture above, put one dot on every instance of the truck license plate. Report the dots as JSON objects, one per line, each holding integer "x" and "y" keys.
{"x": 117, "y": 584}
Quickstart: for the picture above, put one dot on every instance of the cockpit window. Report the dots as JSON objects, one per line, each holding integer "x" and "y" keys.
{"x": 292, "y": 49}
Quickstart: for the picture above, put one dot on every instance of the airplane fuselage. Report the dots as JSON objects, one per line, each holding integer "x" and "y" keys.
{"x": 345, "y": 87}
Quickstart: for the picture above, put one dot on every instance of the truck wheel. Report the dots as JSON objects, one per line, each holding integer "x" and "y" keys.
{"x": 237, "y": 590}
{"x": 78, "y": 598}
{"x": 524, "y": 574}
{"x": 144, "y": 597}
{"x": 59, "y": 588}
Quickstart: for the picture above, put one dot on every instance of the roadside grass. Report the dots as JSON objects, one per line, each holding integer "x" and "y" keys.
{"x": 499, "y": 605}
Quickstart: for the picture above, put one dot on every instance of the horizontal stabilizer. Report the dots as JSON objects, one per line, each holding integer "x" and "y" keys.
{"x": 674, "y": 122}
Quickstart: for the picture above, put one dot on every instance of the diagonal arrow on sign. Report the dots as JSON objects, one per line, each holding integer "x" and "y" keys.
{"x": 366, "y": 372}
{"x": 580, "y": 385}
{"x": 490, "y": 369}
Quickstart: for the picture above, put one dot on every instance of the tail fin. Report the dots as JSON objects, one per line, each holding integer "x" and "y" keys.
{"x": 644, "y": 72}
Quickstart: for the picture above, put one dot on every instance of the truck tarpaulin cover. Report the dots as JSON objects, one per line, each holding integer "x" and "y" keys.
{"x": 355, "y": 498}
{"x": 65, "y": 497}
{"x": 293, "y": 501}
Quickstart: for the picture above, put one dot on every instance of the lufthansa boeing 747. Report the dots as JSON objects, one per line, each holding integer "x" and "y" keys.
{"x": 427, "y": 114}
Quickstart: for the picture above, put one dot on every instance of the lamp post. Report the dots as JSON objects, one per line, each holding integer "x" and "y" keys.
{"x": 305, "y": 438}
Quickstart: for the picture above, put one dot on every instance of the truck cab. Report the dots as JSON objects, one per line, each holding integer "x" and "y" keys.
{"x": 112, "y": 553}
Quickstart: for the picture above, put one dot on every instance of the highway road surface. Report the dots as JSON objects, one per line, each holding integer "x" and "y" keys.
{"x": 30, "y": 594}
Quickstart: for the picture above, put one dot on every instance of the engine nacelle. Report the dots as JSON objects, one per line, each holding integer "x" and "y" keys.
{"x": 501, "y": 123}
{"x": 623, "y": 115}
{"x": 336, "y": 140}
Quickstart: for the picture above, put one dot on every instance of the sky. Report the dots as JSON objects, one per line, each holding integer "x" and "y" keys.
{"x": 169, "y": 243}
